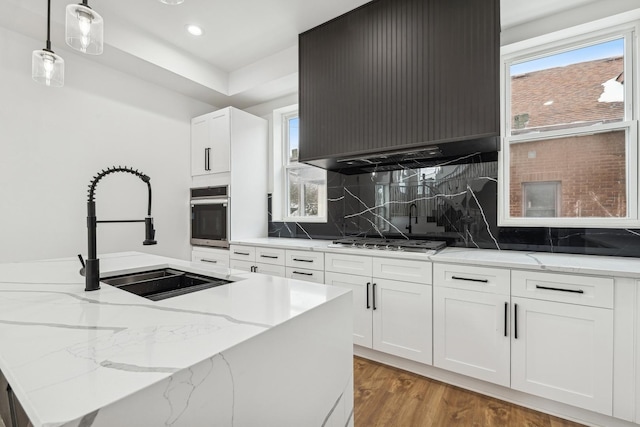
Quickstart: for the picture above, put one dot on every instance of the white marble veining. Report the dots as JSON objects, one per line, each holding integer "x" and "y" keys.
{"x": 82, "y": 358}
{"x": 543, "y": 261}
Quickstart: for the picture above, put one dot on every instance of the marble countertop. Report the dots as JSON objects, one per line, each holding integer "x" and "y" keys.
{"x": 68, "y": 353}
{"x": 542, "y": 261}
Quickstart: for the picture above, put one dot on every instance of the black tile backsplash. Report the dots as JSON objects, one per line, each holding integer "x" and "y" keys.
{"x": 456, "y": 203}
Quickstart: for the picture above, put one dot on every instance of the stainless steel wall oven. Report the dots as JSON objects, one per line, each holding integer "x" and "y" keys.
{"x": 210, "y": 216}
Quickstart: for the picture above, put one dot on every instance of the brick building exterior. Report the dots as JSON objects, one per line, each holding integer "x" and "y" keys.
{"x": 577, "y": 176}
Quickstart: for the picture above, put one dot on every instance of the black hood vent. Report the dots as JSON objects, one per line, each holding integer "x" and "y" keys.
{"x": 475, "y": 150}
{"x": 401, "y": 82}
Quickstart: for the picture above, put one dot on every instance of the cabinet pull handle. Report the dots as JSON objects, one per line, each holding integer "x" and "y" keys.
{"x": 207, "y": 161}
{"x": 373, "y": 296}
{"x": 241, "y": 253}
{"x": 12, "y": 407}
{"x": 303, "y": 273}
{"x": 506, "y": 317}
{"x": 515, "y": 321}
{"x": 469, "y": 279}
{"x": 368, "y": 305}
{"x": 212, "y": 261}
{"x": 268, "y": 256}
{"x": 573, "y": 291}
{"x": 302, "y": 260}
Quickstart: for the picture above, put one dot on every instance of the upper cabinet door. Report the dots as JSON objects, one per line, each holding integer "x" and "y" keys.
{"x": 396, "y": 74}
{"x": 210, "y": 143}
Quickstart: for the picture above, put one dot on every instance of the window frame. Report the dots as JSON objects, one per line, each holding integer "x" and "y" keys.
{"x": 555, "y": 44}
{"x": 282, "y": 166}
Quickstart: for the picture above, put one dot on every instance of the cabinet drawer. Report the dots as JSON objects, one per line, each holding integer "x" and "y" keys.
{"x": 482, "y": 279}
{"x": 305, "y": 259}
{"x": 584, "y": 290}
{"x": 402, "y": 270}
{"x": 350, "y": 264}
{"x": 270, "y": 256}
{"x": 270, "y": 269}
{"x": 237, "y": 264}
{"x": 305, "y": 274}
{"x": 218, "y": 257}
{"x": 247, "y": 253}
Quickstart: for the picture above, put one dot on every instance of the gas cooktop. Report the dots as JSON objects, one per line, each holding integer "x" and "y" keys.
{"x": 411, "y": 245}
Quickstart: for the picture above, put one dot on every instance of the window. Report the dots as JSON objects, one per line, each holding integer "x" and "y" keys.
{"x": 541, "y": 199}
{"x": 303, "y": 197}
{"x": 570, "y": 154}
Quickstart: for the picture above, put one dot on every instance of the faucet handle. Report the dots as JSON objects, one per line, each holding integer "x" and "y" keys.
{"x": 83, "y": 269}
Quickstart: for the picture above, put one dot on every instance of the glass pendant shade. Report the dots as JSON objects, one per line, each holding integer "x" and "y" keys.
{"x": 47, "y": 68}
{"x": 172, "y": 2}
{"x": 84, "y": 29}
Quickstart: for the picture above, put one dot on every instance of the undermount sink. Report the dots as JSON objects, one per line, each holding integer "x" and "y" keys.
{"x": 163, "y": 283}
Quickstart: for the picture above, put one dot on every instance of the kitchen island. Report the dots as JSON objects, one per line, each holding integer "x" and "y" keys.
{"x": 261, "y": 350}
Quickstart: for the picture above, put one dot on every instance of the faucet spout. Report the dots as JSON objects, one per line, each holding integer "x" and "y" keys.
{"x": 92, "y": 263}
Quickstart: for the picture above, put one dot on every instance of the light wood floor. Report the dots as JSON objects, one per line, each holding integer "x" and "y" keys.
{"x": 387, "y": 396}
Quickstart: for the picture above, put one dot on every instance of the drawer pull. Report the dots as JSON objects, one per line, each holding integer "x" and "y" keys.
{"x": 573, "y": 291}
{"x": 302, "y": 260}
{"x": 241, "y": 253}
{"x": 212, "y": 261}
{"x": 506, "y": 317}
{"x": 303, "y": 273}
{"x": 269, "y": 256}
{"x": 469, "y": 279}
{"x": 368, "y": 304}
{"x": 373, "y": 296}
{"x": 515, "y": 321}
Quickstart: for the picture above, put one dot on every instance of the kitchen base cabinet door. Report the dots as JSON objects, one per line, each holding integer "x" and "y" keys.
{"x": 563, "y": 352}
{"x": 471, "y": 335}
{"x": 360, "y": 286}
{"x": 402, "y": 322}
{"x": 237, "y": 264}
{"x": 272, "y": 270}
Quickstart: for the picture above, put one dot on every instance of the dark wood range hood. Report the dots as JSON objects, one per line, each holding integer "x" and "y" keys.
{"x": 401, "y": 82}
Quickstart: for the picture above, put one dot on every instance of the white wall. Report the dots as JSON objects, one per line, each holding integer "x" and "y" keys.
{"x": 53, "y": 140}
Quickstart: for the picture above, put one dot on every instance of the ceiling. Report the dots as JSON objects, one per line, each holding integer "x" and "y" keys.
{"x": 247, "y": 55}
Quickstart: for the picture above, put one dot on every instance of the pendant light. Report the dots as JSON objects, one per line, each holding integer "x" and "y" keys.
{"x": 47, "y": 67}
{"x": 84, "y": 29}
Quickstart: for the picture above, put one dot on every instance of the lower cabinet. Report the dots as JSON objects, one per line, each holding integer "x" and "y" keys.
{"x": 257, "y": 260}
{"x": 471, "y": 334}
{"x": 402, "y": 319}
{"x": 11, "y": 411}
{"x": 219, "y": 257}
{"x": 391, "y": 316}
{"x": 471, "y": 331}
{"x": 563, "y": 352}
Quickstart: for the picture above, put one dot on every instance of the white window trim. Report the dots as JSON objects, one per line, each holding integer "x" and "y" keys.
{"x": 280, "y": 165}
{"x": 568, "y": 40}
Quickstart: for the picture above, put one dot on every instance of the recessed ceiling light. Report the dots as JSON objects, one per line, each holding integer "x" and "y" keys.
{"x": 548, "y": 103}
{"x": 194, "y": 30}
{"x": 172, "y": 2}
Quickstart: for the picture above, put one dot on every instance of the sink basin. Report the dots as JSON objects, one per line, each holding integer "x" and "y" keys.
{"x": 164, "y": 283}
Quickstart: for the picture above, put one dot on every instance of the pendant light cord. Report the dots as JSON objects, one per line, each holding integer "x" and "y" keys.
{"x": 48, "y": 25}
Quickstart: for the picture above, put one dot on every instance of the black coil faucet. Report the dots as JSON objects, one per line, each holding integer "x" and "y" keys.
{"x": 91, "y": 267}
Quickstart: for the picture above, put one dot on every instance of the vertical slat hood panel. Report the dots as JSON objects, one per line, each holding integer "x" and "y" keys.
{"x": 399, "y": 74}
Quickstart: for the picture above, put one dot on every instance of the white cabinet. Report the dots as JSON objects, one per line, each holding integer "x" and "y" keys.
{"x": 402, "y": 319}
{"x": 563, "y": 350}
{"x": 392, "y": 316}
{"x": 230, "y": 147}
{"x": 305, "y": 265}
{"x": 219, "y": 257}
{"x": 471, "y": 321}
{"x": 210, "y": 143}
{"x": 257, "y": 259}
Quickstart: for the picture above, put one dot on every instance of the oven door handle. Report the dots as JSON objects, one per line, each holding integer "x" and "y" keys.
{"x": 210, "y": 202}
